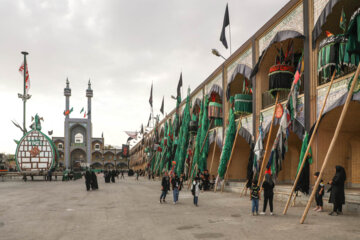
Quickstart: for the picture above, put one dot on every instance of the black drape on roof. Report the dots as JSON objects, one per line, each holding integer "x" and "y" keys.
{"x": 215, "y": 88}
{"x": 240, "y": 69}
{"x": 322, "y": 20}
{"x": 279, "y": 37}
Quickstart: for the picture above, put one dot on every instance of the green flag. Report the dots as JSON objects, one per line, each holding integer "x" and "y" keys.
{"x": 343, "y": 21}
{"x": 82, "y": 110}
{"x": 303, "y": 150}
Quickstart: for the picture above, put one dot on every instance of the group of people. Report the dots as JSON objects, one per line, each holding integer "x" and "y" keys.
{"x": 91, "y": 180}
{"x": 110, "y": 175}
{"x": 204, "y": 181}
{"x": 268, "y": 188}
{"x": 337, "y": 193}
{"x": 176, "y": 184}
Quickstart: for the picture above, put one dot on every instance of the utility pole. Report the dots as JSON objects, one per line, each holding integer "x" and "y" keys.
{"x": 24, "y": 96}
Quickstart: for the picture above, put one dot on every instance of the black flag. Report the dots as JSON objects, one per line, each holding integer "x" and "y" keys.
{"x": 149, "y": 120}
{"x": 142, "y": 129}
{"x": 162, "y": 107}
{"x": 179, "y": 86}
{"x": 150, "y": 99}
{"x": 225, "y": 24}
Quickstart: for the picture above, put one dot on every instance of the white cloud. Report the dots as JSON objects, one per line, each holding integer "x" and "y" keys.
{"x": 123, "y": 46}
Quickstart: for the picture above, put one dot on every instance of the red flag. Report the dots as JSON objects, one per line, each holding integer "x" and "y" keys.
{"x": 328, "y": 34}
{"x": 27, "y": 79}
{"x": 299, "y": 70}
{"x": 85, "y": 114}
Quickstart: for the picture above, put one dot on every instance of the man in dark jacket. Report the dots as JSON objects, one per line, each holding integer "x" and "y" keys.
{"x": 175, "y": 182}
{"x": 206, "y": 180}
{"x": 165, "y": 187}
{"x": 337, "y": 195}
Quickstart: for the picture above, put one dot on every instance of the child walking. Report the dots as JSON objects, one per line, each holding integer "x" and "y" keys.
{"x": 254, "y": 197}
{"x": 319, "y": 194}
{"x": 195, "y": 190}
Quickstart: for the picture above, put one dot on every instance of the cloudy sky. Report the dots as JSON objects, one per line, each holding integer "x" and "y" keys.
{"x": 122, "y": 46}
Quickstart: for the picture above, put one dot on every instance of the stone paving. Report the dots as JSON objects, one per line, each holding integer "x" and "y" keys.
{"x": 130, "y": 209}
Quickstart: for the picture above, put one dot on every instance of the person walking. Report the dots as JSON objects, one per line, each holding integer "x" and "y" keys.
{"x": 165, "y": 187}
{"x": 113, "y": 175}
{"x": 255, "y": 197}
{"x": 319, "y": 194}
{"x": 87, "y": 180}
{"x": 195, "y": 190}
{"x": 268, "y": 187}
{"x": 337, "y": 191}
{"x": 122, "y": 175}
{"x": 175, "y": 182}
{"x": 94, "y": 182}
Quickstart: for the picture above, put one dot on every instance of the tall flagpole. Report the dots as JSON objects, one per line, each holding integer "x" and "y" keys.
{"x": 229, "y": 30}
{"x": 25, "y": 96}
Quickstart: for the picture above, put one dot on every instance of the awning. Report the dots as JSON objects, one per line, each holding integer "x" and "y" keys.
{"x": 243, "y": 132}
{"x": 322, "y": 20}
{"x": 241, "y": 69}
{"x": 217, "y": 89}
{"x": 279, "y": 37}
{"x": 217, "y": 136}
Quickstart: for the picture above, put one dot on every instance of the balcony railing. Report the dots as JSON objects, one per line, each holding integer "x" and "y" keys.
{"x": 268, "y": 100}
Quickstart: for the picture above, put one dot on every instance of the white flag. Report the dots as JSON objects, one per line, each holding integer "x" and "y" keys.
{"x": 27, "y": 79}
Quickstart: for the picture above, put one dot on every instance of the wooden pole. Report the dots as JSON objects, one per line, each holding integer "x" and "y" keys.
{"x": 192, "y": 175}
{"x": 216, "y": 183}
{"x": 241, "y": 193}
{"x": 293, "y": 203}
{"x": 232, "y": 153}
{"x": 309, "y": 145}
{"x": 159, "y": 163}
{"x": 268, "y": 143}
{"x": 191, "y": 161}
{"x": 332, "y": 144}
{"x": 207, "y": 133}
{"x": 213, "y": 154}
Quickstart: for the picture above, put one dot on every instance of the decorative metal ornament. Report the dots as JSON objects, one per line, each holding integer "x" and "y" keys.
{"x": 279, "y": 110}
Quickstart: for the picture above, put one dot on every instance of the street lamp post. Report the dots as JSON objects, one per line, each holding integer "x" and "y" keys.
{"x": 217, "y": 53}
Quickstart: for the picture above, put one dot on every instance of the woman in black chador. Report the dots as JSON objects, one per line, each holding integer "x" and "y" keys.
{"x": 113, "y": 175}
{"x": 337, "y": 195}
{"x": 94, "y": 182}
{"x": 268, "y": 186}
{"x": 107, "y": 176}
{"x": 87, "y": 179}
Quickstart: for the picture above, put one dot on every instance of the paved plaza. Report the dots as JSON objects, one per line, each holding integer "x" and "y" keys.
{"x": 130, "y": 209}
